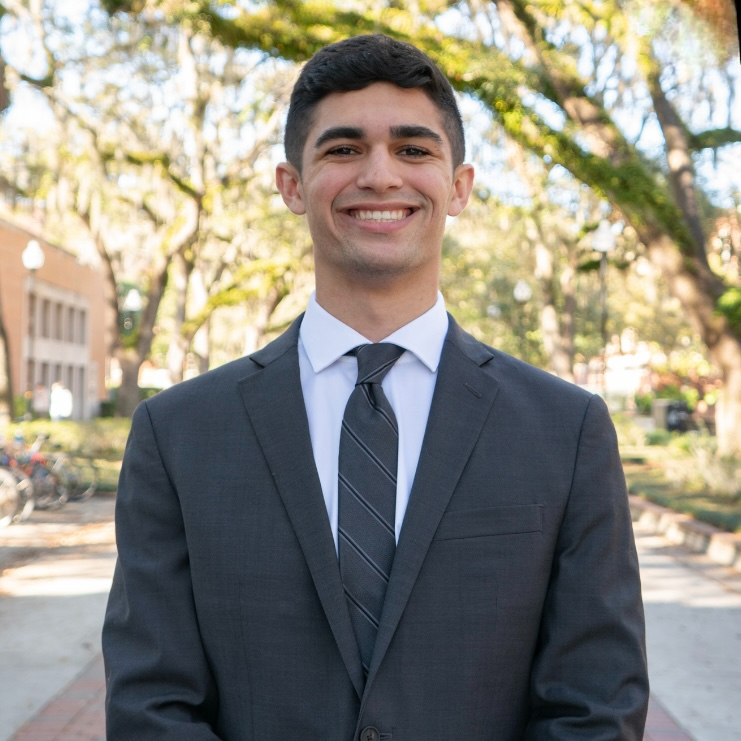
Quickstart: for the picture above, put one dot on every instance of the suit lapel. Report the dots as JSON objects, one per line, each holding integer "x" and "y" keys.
{"x": 463, "y": 397}
{"x": 275, "y": 405}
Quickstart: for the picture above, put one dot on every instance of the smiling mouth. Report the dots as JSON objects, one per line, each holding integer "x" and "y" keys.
{"x": 367, "y": 215}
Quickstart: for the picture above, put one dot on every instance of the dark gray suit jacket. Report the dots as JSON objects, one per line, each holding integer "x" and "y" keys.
{"x": 513, "y": 610}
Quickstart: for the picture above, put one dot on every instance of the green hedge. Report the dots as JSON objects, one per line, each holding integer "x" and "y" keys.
{"x": 98, "y": 438}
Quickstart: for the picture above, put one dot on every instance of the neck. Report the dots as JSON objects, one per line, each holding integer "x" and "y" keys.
{"x": 375, "y": 313}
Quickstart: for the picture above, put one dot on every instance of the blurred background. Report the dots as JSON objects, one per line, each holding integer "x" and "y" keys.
{"x": 142, "y": 240}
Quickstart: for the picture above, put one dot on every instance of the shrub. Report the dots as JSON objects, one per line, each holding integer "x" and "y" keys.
{"x": 99, "y": 438}
{"x": 659, "y": 437}
{"x": 706, "y": 469}
{"x": 644, "y": 403}
{"x": 628, "y": 432}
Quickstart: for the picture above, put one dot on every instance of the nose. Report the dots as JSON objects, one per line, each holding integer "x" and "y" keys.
{"x": 379, "y": 171}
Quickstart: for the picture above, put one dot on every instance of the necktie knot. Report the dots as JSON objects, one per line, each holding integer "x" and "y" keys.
{"x": 375, "y": 361}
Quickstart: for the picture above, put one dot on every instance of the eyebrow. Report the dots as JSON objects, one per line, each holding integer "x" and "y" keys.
{"x": 339, "y": 132}
{"x": 405, "y": 131}
{"x": 415, "y": 132}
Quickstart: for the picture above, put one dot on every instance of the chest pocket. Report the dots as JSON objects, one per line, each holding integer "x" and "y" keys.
{"x": 487, "y": 521}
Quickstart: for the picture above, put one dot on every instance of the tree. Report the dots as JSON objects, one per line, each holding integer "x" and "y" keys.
{"x": 6, "y": 387}
{"x": 162, "y": 148}
{"x": 554, "y": 76}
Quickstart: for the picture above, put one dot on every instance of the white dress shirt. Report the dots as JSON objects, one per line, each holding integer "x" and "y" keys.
{"x": 328, "y": 377}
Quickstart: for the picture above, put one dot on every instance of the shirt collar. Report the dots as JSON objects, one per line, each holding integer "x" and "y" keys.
{"x": 326, "y": 339}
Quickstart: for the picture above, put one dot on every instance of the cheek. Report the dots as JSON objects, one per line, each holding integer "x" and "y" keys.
{"x": 436, "y": 187}
{"x": 325, "y": 186}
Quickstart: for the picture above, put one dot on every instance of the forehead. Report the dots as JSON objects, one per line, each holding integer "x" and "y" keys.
{"x": 376, "y": 110}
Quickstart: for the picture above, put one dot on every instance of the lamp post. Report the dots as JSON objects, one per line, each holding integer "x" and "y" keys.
{"x": 603, "y": 240}
{"x": 132, "y": 305}
{"x": 33, "y": 259}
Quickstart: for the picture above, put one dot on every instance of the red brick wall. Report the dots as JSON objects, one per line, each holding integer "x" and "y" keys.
{"x": 62, "y": 274}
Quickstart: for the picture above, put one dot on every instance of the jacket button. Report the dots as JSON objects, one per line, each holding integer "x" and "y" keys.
{"x": 369, "y": 733}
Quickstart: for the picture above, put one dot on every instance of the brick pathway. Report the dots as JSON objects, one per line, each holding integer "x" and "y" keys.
{"x": 660, "y": 726}
{"x": 76, "y": 714}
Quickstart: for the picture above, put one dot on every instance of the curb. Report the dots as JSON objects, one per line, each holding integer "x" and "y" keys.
{"x": 719, "y": 546}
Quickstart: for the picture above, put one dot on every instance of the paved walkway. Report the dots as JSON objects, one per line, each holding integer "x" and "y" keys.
{"x": 75, "y": 714}
{"x": 693, "y": 617}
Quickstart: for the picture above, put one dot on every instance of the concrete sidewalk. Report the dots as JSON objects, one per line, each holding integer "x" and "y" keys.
{"x": 77, "y": 713}
{"x": 51, "y": 609}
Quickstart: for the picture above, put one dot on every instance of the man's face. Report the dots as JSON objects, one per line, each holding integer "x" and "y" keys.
{"x": 377, "y": 184}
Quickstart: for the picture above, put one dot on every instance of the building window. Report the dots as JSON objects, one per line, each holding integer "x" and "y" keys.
{"x": 58, "y": 322}
{"x": 81, "y": 402}
{"x": 70, "y": 335}
{"x": 82, "y": 323}
{"x": 45, "y": 318}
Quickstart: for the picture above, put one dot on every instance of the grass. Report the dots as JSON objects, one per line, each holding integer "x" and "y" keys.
{"x": 649, "y": 480}
{"x": 682, "y": 472}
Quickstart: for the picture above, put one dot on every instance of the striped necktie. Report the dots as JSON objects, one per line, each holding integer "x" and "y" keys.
{"x": 369, "y": 448}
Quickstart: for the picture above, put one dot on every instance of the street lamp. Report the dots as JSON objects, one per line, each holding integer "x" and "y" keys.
{"x": 131, "y": 307}
{"x": 603, "y": 240}
{"x": 133, "y": 300}
{"x": 33, "y": 259}
{"x": 33, "y": 256}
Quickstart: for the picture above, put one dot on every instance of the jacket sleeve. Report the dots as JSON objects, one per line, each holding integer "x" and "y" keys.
{"x": 589, "y": 677}
{"x": 159, "y": 685}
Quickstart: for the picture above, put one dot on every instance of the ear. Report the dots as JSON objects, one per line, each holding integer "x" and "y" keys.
{"x": 462, "y": 186}
{"x": 288, "y": 182}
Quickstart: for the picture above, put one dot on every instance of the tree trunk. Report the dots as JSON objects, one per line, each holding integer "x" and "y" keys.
{"x": 6, "y": 382}
{"x": 694, "y": 285}
{"x": 128, "y": 392}
{"x": 256, "y": 331}
{"x": 4, "y": 95}
{"x": 131, "y": 358}
{"x": 559, "y": 356}
{"x": 568, "y": 292}
{"x": 178, "y": 349}
{"x": 727, "y": 356}
{"x": 202, "y": 346}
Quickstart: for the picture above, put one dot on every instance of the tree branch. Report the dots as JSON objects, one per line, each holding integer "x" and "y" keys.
{"x": 713, "y": 139}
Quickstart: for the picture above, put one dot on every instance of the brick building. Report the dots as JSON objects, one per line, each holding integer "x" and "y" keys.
{"x": 54, "y": 320}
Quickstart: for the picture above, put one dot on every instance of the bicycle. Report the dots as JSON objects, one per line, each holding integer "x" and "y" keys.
{"x": 8, "y": 497}
{"x": 24, "y": 485}
{"x": 49, "y": 490}
{"x": 78, "y": 474}
{"x": 26, "y": 501}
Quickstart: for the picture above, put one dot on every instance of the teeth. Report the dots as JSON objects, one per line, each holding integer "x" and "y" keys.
{"x": 397, "y": 215}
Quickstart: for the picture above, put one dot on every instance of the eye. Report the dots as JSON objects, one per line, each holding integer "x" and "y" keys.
{"x": 411, "y": 150}
{"x": 342, "y": 150}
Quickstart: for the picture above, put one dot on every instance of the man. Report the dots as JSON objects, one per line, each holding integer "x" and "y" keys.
{"x": 60, "y": 402}
{"x": 440, "y": 552}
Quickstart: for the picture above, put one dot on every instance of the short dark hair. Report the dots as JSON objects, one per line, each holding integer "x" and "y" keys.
{"x": 357, "y": 62}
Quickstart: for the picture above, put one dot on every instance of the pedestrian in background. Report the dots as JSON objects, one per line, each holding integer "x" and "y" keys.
{"x": 60, "y": 402}
{"x": 41, "y": 401}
